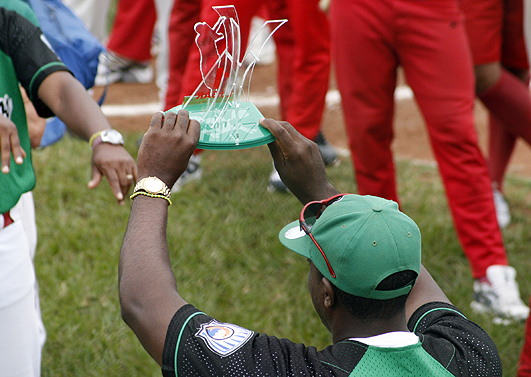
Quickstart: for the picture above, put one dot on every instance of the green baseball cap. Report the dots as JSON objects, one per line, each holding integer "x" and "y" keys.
{"x": 365, "y": 239}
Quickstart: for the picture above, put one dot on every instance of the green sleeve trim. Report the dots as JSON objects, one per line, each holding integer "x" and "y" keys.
{"x": 46, "y": 66}
{"x": 432, "y": 310}
{"x": 179, "y": 339}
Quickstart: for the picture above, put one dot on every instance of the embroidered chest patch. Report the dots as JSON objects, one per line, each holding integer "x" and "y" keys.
{"x": 223, "y": 338}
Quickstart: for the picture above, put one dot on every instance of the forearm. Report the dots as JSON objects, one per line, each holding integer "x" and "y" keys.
{"x": 147, "y": 288}
{"x": 69, "y": 101}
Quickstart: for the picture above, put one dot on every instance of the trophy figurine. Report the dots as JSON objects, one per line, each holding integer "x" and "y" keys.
{"x": 221, "y": 101}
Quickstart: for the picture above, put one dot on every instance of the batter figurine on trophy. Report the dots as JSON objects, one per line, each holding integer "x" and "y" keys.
{"x": 221, "y": 101}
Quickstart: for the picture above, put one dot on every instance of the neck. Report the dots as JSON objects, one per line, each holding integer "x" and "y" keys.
{"x": 347, "y": 326}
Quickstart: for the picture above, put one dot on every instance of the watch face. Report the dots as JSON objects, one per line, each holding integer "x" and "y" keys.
{"x": 112, "y": 137}
{"x": 153, "y": 185}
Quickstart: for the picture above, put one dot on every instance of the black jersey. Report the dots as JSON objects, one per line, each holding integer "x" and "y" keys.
{"x": 23, "y": 46}
{"x": 449, "y": 345}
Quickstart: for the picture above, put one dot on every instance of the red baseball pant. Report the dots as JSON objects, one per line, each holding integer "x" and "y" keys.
{"x": 370, "y": 39}
{"x": 132, "y": 29}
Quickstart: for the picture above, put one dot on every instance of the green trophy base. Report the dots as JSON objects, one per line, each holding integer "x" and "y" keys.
{"x": 220, "y": 131}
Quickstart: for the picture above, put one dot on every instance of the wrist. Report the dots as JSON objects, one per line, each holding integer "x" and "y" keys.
{"x": 109, "y": 136}
{"x": 321, "y": 193}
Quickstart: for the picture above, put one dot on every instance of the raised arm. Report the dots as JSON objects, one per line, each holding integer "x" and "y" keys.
{"x": 148, "y": 293}
{"x": 69, "y": 100}
{"x": 425, "y": 290}
{"x": 298, "y": 162}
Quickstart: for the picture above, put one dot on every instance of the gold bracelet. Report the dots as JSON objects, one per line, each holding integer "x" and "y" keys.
{"x": 151, "y": 196}
{"x": 93, "y": 137}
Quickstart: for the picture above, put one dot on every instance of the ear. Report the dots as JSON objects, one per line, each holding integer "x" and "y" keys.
{"x": 330, "y": 295}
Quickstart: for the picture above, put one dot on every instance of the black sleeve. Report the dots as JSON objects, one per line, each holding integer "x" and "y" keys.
{"x": 198, "y": 345}
{"x": 30, "y": 53}
{"x": 459, "y": 344}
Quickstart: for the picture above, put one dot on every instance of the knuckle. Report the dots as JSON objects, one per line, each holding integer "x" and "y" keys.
{"x": 281, "y": 131}
{"x": 170, "y": 115}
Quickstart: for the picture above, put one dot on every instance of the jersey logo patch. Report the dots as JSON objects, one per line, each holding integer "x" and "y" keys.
{"x": 6, "y": 106}
{"x": 223, "y": 338}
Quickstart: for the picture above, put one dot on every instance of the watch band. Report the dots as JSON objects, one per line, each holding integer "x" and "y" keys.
{"x": 151, "y": 196}
{"x": 96, "y": 141}
{"x": 93, "y": 138}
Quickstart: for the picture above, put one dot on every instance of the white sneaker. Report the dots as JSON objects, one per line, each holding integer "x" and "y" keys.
{"x": 112, "y": 68}
{"x": 502, "y": 208}
{"x": 138, "y": 73}
{"x": 499, "y": 295}
{"x": 193, "y": 172}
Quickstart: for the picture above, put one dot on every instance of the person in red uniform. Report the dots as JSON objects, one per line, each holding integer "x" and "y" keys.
{"x": 495, "y": 31}
{"x": 370, "y": 40}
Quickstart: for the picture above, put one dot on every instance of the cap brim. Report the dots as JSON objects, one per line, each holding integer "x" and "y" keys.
{"x": 296, "y": 239}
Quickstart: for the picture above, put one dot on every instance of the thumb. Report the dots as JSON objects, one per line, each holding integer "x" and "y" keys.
{"x": 96, "y": 178}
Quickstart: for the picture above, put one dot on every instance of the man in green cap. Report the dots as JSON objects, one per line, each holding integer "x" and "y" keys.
{"x": 386, "y": 314}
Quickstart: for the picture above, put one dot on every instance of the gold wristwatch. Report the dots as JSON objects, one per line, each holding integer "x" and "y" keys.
{"x": 153, "y": 186}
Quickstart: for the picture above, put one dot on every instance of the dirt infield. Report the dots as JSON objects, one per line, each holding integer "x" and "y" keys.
{"x": 410, "y": 133}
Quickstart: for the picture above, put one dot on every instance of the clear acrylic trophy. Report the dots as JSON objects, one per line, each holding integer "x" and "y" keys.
{"x": 221, "y": 101}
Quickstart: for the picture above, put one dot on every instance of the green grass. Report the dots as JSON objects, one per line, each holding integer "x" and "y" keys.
{"x": 223, "y": 236}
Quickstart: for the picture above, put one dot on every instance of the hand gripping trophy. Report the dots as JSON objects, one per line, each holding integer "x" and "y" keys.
{"x": 221, "y": 101}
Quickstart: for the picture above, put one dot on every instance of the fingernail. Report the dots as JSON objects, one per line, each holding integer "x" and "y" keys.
{"x": 5, "y": 169}
{"x": 19, "y": 160}
{"x": 119, "y": 196}
{"x": 261, "y": 120}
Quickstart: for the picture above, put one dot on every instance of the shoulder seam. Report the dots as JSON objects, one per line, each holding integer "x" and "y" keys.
{"x": 432, "y": 310}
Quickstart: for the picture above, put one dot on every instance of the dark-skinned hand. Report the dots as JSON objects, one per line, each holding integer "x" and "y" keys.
{"x": 9, "y": 144}
{"x": 298, "y": 162}
{"x": 167, "y": 146}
